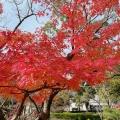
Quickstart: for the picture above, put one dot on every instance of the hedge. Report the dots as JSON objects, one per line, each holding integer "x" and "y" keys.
{"x": 76, "y": 116}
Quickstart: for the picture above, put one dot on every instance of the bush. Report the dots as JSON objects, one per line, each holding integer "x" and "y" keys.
{"x": 111, "y": 114}
{"x": 76, "y": 116}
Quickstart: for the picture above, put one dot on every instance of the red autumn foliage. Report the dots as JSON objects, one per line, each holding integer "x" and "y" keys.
{"x": 30, "y": 61}
{"x": 1, "y": 8}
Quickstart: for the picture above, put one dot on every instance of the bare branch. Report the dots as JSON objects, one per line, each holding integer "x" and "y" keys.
{"x": 3, "y": 102}
{"x": 85, "y": 11}
{"x": 34, "y": 103}
{"x": 18, "y": 11}
{"x": 22, "y": 22}
{"x": 21, "y": 106}
{"x": 115, "y": 75}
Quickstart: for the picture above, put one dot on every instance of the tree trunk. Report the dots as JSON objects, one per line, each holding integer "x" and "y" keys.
{"x": 2, "y": 115}
{"x": 45, "y": 108}
{"x": 45, "y": 111}
{"x": 87, "y": 104}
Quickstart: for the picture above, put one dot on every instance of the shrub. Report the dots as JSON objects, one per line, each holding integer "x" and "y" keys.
{"x": 76, "y": 116}
{"x": 111, "y": 114}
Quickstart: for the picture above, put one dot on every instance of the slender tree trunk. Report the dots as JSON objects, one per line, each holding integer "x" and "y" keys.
{"x": 87, "y": 104}
{"x": 2, "y": 115}
{"x": 78, "y": 107}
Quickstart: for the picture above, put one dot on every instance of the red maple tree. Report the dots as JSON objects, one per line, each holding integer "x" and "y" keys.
{"x": 36, "y": 66}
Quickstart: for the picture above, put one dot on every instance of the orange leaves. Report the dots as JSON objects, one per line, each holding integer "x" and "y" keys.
{"x": 38, "y": 98}
{"x": 1, "y": 8}
{"x": 2, "y": 42}
{"x": 99, "y": 7}
{"x": 2, "y": 39}
{"x": 111, "y": 31}
{"x": 118, "y": 10}
{"x": 65, "y": 9}
{"x": 73, "y": 83}
{"x": 33, "y": 60}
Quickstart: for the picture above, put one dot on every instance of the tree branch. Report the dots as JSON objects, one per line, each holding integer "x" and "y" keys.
{"x": 34, "y": 103}
{"x": 21, "y": 106}
{"x": 115, "y": 75}
{"x": 22, "y": 21}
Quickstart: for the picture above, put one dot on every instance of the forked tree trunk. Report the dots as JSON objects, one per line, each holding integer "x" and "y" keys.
{"x": 45, "y": 109}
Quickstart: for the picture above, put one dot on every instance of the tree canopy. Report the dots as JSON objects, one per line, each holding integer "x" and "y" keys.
{"x": 83, "y": 49}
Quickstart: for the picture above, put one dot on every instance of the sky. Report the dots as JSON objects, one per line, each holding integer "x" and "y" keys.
{"x": 10, "y": 20}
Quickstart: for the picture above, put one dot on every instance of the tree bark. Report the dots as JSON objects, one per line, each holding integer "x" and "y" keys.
{"x": 2, "y": 115}
{"x": 70, "y": 56}
{"x": 45, "y": 108}
{"x": 87, "y": 104}
{"x": 45, "y": 111}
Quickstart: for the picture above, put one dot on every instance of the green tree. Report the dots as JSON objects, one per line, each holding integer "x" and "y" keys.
{"x": 62, "y": 99}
